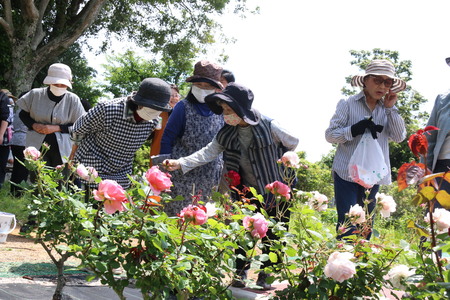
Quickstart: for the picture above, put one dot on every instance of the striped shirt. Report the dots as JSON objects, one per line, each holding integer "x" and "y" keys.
{"x": 108, "y": 137}
{"x": 352, "y": 110}
{"x": 278, "y": 135}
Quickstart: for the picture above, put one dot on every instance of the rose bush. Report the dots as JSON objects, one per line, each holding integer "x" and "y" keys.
{"x": 193, "y": 255}
{"x": 186, "y": 256}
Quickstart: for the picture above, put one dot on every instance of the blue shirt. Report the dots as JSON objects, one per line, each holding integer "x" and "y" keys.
{"x": 176, "y": 124}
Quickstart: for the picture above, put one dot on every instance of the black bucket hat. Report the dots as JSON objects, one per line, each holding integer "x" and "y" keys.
{"x": 239, "y": 98}
{"x": 154, "y": 93}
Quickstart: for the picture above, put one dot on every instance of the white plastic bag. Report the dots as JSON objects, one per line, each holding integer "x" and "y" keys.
{"x": 367, "y": 166}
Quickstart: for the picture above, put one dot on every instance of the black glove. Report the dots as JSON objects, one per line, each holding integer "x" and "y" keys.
{"x": 361, "y": 126}
{"x": 374, "y": 129}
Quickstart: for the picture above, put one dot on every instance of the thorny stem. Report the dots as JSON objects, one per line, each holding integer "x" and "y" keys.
{"x": 433, "y": 239}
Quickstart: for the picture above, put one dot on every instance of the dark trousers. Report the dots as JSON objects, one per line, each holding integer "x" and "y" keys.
{"x": 4, "y": 154}
{"x": 19, "y": 171}
{"x": 347, "y": 194}
{"x": 272, "y": 212}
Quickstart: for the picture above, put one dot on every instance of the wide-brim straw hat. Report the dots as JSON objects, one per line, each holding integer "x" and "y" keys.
{"x": 380, "y": 67}
{"x": 239, "y": 98}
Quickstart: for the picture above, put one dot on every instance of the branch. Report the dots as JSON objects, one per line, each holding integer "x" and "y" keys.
{"x": 30, "y": 10}
{"x": 9, "y": 31}
{"x": 77, "y": 26}
{"x": 7, "y": 22}
{"x": 39, "y": 34}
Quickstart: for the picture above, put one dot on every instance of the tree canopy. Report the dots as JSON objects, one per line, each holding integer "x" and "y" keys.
{"x": 36, "y": 33}
{"x": 124, "y": 72}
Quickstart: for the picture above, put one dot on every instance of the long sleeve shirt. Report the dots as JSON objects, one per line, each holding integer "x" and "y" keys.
{"x": 352, "y": 110}
{"x": 437, "y": 138}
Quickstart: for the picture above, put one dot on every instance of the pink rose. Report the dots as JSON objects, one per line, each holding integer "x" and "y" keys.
{"x": 158, "y": 181}
{"x": 257, "y": 225}
{"x": 279, "y": 188}
{"x": 339, "y": 267}
{"x": 194, "y": 214}
{"x": 357, "y": 214}
{"x": 290, "y": 159}
{"x": 441, "y": 218}
{"x": 87, "y": 173}
{"x": 386, "y": 203}
{"x": 31, "y": 153}
{"x": 112, "y": 194}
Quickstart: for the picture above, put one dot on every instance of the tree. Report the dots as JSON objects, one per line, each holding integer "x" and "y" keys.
{"x": 36, "y": 33}
{"x": 124, "y": 72}
{"x": 409, "y": 101}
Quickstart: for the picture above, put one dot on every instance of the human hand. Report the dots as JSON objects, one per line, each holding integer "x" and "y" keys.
{"x": 390, "y": 99}
{"x": 374, "y": 129}
{"x": 361, "y": 126}
{"x": 171, "y": 164}
{"x": 45, "y": 129}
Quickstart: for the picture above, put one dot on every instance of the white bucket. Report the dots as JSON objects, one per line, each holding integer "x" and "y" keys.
{"x": 5, "y": 225}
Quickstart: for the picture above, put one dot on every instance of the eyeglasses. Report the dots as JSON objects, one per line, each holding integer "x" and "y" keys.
{"x": 388, "y": 82}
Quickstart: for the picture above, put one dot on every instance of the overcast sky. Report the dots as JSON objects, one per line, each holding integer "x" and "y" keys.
{"x": 295, "y": 55}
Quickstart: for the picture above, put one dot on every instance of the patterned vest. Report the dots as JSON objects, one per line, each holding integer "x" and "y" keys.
{"x": 262, "y": 150}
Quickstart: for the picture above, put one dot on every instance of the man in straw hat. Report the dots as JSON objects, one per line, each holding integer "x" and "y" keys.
{"x": 372, "y": 109}
{"x": 252, "y": 144}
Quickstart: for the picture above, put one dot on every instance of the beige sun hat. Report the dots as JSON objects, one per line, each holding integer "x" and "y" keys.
{"x": 380, "y": 67}
{"x": 59, "y": 74}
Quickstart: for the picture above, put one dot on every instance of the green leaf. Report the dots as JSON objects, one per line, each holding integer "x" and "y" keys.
{"x": 207, "y": 236}
{"x": 273, "y": 257}
{"x": 101, "y": 266}
{"x": 87, "y": 224}
{"x": 315, "y": 234}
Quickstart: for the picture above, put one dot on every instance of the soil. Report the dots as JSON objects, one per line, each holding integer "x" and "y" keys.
{"x": 18, "y": 248}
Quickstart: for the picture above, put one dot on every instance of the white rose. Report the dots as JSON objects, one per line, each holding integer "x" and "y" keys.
{"x": 357, "y": 214}
{"x": 398, "y": 274}
{"x": 441, "y": 217}
{"x": 387, "y": 206}
{"x": 339, "y": 266}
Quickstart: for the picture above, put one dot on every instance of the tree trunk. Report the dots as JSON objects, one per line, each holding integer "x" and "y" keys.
{"x": 61, "y": 280}
{"x": 28, "y": 52}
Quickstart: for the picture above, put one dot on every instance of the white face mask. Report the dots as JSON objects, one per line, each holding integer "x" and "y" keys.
{"x": 200, "y": 94}
{"x": 148, "y": 113}
{"x": 57, "y": 91}
{"x": 232, "y": 119}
